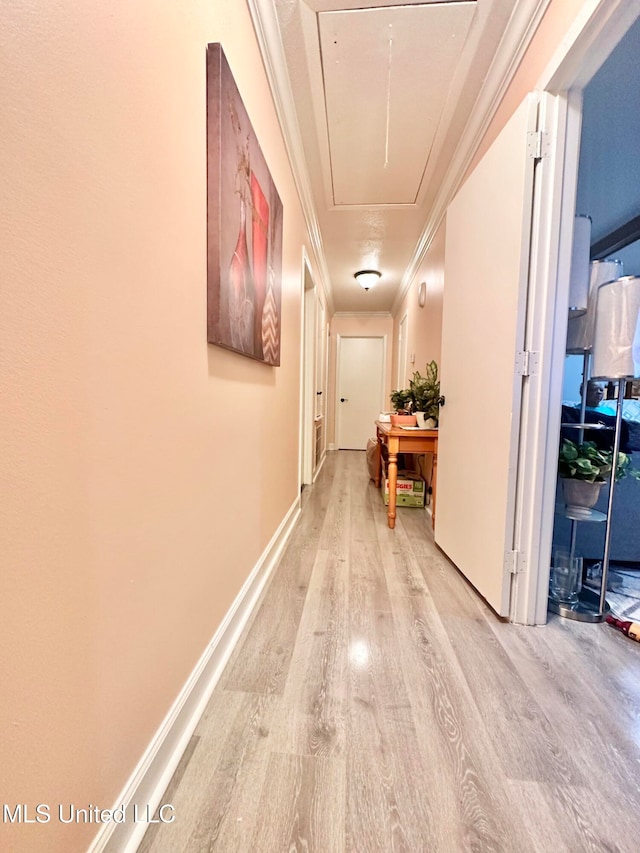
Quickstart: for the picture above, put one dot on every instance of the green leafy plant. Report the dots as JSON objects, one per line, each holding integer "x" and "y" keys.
{"x": 425, "y": 391}
{"x": 422, "y": 395}
{"x": 401, "y": 401}
{"x": 583, "y": 461}
{"x": 586, "y": 462}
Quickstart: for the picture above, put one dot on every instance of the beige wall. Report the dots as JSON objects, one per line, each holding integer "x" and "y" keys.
{"x": 355, "y": 326}
{"x": 424, "y": 325}
{"x": 139, "y": 478}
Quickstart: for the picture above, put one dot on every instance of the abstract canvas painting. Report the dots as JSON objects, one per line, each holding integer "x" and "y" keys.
{"x": 244, "y": 226}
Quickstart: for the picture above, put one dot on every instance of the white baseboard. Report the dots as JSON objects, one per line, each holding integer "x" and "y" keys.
{"x": 150, "y": 778}
{"x": 333, "y": 446}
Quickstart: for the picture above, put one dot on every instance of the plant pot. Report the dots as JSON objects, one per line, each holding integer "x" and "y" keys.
{"x": 399, "y": 420}
{"x": 424, "y": 422}
{"x": 580, "y": 492}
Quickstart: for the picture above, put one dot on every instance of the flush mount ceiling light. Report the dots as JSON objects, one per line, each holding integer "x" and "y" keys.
{"x": 367, "y": 278}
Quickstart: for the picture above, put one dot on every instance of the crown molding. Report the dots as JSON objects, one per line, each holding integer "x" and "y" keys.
{"x": 379, "y": 314}
{"x": 267, "y": 30}
{"x": 517, "y": 37}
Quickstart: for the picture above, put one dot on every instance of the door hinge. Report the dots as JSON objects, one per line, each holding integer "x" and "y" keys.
{"x": 526, "y": 363}
{"x": 514, "y": 562}
{"x": 538, "y": 144}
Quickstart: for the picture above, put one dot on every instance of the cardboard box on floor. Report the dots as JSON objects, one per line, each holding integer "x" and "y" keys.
{"x": 410, "y": 488}
{"x": 420, "y": 463}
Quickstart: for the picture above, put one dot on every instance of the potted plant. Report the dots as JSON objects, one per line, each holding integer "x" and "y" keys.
{"x": 425, "y": 395}
{"x": 402, "y": 404}
{"x": 401, "y": 401}
{"x": 422, "y": 397}
{"x": 583, "y": 469}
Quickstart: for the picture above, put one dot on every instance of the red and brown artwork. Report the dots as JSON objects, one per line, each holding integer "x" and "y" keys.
{"x": 244, "y": 226}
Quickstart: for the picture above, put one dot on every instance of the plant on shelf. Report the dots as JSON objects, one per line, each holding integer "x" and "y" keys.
{"x": 583, "y": 469}
{"x": 583, "y": 461}
{"x": 586, "y": 462}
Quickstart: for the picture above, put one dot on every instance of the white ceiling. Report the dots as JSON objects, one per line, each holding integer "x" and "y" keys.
{"x": 374, "y": 98}
{"x": 386, "y": 78}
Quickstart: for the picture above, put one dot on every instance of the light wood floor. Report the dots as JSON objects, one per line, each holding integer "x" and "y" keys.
{"x": 376, "y": 704}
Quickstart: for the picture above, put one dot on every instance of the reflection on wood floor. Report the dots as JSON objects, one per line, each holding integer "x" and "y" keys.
{"x": 375, "y": 703}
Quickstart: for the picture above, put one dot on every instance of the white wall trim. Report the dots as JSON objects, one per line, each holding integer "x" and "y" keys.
{"x": 385, "y": 314}
{"x": 267, "y": 30}
{"x": 332, "y": 446}
{"x": 518, "y": 35}
{"x": 153, "y": 773}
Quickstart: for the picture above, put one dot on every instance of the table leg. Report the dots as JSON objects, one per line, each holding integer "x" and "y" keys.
{"x": 434, "y": 478}
{"x": 393, "y": 482}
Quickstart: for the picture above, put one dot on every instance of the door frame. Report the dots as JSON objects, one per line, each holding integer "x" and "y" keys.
{"x": 595, "y": 32}
{"x": 339, "y": 338}
{"x": 307, "y": 373}
{"x": 320, "y": 379}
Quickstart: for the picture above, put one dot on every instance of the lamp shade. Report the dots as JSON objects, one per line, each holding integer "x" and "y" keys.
{"x": 580, "y": 329}
{"x": 617, "y": 331}
{"x": 367, "y": 278}
{"x": 579, "y": 277}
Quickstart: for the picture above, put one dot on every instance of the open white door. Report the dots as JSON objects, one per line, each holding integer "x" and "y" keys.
{"x": 486, "y": 272}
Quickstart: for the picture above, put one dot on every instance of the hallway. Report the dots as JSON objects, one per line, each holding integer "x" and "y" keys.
{"x": 376, "y": 704}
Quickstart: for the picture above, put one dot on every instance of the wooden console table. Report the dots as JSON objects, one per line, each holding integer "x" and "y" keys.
{"x": 400, "y": 440}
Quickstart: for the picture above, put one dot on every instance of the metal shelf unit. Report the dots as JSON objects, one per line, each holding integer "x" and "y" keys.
{"x": 591, "y": 606}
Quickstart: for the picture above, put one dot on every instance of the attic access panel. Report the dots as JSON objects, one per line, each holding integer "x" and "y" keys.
{"x": 387, "y": 74}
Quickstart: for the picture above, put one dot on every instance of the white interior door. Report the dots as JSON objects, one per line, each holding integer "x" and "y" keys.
{"x": 360, "y": 387}
{"x": 486, "y": 273}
